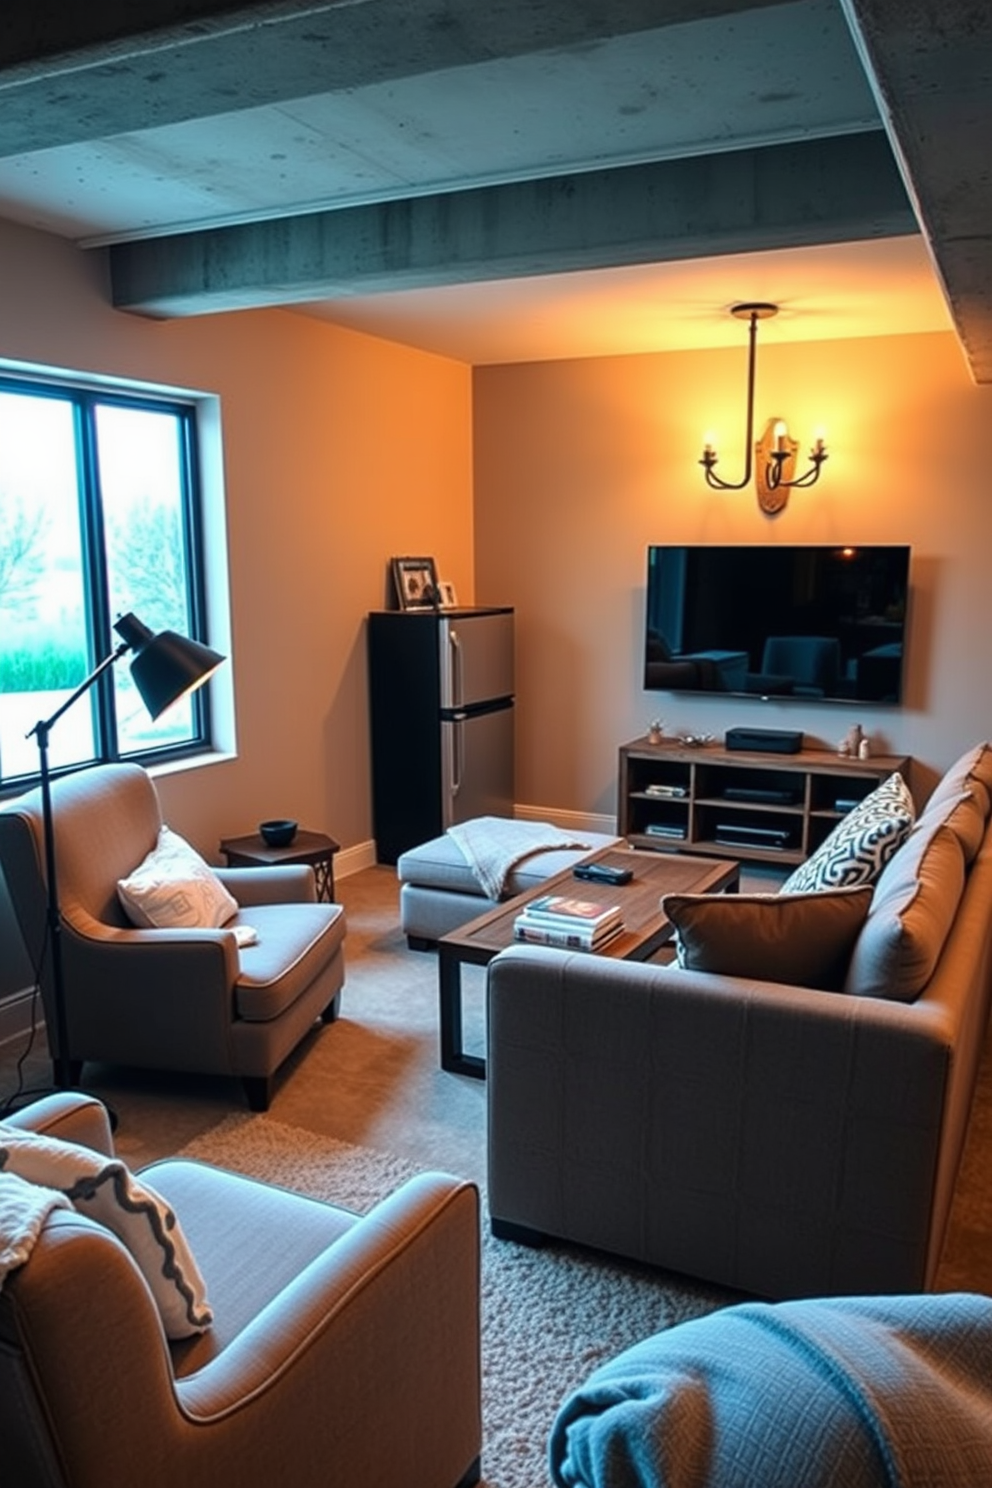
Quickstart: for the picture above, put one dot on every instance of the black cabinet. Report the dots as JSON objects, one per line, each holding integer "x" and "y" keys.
{"x": 441, "y": 713}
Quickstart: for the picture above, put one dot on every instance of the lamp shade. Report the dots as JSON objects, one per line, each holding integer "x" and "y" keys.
{"x": 166, "y": 666}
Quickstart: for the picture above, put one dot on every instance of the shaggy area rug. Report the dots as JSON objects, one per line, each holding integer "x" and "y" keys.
{"x": 548, "y": 1316}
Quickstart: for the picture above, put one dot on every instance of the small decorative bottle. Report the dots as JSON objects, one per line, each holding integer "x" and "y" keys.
{"x": 864, "y": 749}
{"x": 656, "y": 731}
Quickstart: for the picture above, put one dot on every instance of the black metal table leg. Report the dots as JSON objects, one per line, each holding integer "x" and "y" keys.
{"x": 453, "y": 1056}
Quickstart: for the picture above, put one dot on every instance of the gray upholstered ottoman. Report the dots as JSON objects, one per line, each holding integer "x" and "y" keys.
{"x": 439, "y": 891}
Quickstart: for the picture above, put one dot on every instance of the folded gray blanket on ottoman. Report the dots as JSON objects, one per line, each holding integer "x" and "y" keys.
{"x": 852, "y": 1392}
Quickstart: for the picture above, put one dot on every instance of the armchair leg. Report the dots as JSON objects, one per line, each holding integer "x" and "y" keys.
{"x": 258, "y": 1090}
{"x": 74, "y": 1071}
{"x": 471, "y": 1475}
{"x": 331, "y": 1010}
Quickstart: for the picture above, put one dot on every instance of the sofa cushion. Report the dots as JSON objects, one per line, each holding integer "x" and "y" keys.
{"x": 174, "y": 888}
{"x": 860, "y": 845}
{"x": 965, "y": 814}
{"x": 974, "y": 766}
{"x": 970, "y": 775}
{"x": 295, "y": 941}
{"x": 803, "y": 939}
{"x": 912, "y": 910}
{"x": 106, "y": 1191}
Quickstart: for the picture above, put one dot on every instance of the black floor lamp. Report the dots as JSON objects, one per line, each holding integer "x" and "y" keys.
{"x": 165, "y": 667}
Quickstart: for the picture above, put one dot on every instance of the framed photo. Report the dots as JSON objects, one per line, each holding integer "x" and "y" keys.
{"x": 446, "y": 594}
{"x": 416, "y": 583}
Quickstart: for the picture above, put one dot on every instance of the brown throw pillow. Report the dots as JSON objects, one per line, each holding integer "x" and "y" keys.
{"x": 803, "y": 939}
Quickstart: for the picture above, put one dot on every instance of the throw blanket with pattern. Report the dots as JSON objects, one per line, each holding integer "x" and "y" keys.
{"x": 886, "y": 1392}
{"x": 492, "y": 845}
{"x": 24, "y": 1207}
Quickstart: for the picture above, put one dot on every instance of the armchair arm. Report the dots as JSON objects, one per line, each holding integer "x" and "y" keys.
{"x": 281, "y": 883}
{"x": 182, "y": 979}
{"x": 70, "y": 1117}
{"x": 769, "y": 1137}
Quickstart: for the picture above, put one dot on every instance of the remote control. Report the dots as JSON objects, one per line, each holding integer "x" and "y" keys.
{"x": 602, "y": 873}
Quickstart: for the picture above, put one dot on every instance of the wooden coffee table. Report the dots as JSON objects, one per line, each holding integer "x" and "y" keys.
{"x": 645, "y": 931}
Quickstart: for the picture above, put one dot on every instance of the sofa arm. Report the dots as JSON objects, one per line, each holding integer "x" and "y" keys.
{"x": 70, "y": 1117}
{"x": 282, "y": 883}
{"x": 772, "y": 1138}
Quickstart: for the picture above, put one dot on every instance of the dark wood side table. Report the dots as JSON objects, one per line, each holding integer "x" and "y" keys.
{"x": 315, "y": 848}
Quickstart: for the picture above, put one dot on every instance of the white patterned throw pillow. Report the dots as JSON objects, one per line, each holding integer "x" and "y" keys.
{"x": 860, "y": 844}
{"x": 108, "y": 1192}
{"x": 174, "y": 888}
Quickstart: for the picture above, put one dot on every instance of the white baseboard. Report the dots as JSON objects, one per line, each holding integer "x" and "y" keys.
{"x": 15, "y": 1015}
{"x": 568, "y": 821}
{"x": 353, "y": 859}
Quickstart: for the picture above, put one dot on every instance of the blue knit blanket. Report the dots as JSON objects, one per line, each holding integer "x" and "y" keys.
{"x": 887, "y": 1392}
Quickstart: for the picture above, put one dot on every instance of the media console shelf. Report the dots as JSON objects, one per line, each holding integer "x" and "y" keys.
{"x": 771, "y": 808}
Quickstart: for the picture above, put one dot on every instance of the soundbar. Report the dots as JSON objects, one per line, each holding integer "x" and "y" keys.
{"x": 732, "y": 835}
{"x": 761, "y": 795}
{"x": 765, "y": 741}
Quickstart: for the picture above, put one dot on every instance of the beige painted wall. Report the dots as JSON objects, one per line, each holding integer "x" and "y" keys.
{"x": 340, "y": 451}
{"x": 580, "y": 465}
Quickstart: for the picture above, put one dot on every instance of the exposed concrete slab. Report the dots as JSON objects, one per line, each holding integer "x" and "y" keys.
{"x": 932, "y": 69}
{"x": 837, "y": 190}
{"x": 73, "y": 72}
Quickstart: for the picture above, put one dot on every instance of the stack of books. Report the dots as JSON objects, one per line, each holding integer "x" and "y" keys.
{"x": 576, "y": 924}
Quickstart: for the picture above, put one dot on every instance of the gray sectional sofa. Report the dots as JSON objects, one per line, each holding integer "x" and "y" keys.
{"x": 780, "y": 1139}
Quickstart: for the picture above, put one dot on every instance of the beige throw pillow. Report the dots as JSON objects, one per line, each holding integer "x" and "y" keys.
{"x": 105, "y": 1190}
{"x": 803, "y": 939}
{"x": 174, "y": 888}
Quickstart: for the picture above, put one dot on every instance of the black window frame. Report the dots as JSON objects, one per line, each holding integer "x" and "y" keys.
{"x": 101, "y": 639}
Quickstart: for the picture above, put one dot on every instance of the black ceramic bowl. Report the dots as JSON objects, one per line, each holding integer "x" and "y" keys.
{"x": 278, "y": 833}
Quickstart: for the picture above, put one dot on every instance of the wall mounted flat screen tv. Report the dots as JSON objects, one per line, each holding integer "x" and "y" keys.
{"x": 824, "y": 624}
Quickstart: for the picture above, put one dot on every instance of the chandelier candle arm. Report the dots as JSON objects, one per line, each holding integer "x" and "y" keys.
{"x": 772, "y": 458}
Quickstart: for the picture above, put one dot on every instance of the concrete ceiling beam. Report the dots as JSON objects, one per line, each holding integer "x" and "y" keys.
{"x": 73, "y": 73}
{"x": 835, "y": 190}
{"x": 931, "y": 69}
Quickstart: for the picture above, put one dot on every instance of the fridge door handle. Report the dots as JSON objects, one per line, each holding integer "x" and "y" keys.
{"x": 457, "y": 755}
{"x": 457, "y": 679}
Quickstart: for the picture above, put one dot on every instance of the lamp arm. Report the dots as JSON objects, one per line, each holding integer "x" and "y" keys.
{"x": 84, "y": 686}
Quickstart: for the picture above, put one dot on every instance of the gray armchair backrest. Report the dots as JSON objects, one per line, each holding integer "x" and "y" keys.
{"x": 106, "y": 821}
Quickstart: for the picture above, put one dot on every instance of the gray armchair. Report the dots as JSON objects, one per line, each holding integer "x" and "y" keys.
{"x": 166, "y": 999}
{"x": 344, "y": 1351}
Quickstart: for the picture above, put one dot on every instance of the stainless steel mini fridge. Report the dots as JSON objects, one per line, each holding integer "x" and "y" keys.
{"x": 441, "y": 704}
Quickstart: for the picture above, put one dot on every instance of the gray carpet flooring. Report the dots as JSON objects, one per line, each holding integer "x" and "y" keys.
{"x": 373, "y": 1078}
{"x": 372, "y": 1081}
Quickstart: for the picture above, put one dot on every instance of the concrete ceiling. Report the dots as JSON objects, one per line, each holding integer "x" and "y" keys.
{"x": 518, "y": 179}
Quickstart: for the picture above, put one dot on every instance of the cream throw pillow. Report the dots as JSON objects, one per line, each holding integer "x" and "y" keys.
{"x": 105, "y": 1190}
{"x": 174, "y": 888}
{"x": 802, "y": 939}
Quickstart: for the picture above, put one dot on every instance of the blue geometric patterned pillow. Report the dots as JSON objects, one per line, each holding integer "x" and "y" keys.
{"x": 860, "y": 844}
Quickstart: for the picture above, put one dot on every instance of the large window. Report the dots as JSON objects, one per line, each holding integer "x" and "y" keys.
{"x": 99, "y": 507}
